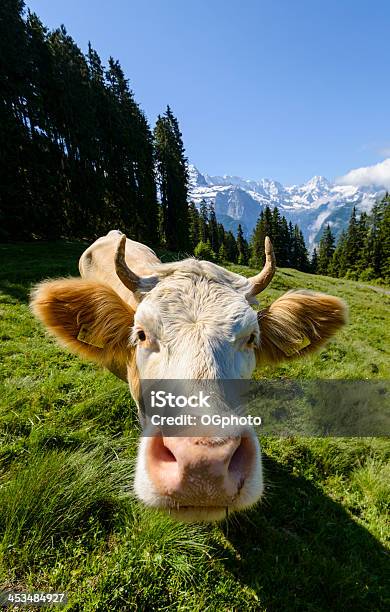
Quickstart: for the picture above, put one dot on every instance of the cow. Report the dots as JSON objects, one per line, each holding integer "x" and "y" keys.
{"x": 143, "y": 319}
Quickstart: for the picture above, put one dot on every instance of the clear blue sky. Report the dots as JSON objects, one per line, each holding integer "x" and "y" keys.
{"x": 278, "y": 88}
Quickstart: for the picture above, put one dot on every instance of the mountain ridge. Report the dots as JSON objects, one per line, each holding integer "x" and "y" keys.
{"x": 311, "y": 205}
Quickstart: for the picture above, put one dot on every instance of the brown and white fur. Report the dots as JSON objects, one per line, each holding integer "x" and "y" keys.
{"x": 183, "y": 320}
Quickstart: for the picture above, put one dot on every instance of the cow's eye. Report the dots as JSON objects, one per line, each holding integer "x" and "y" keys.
{"x": 141, "y": 335}
{"x": 251, "y": 339}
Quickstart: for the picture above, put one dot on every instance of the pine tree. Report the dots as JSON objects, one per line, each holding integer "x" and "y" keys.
{"x": 288, "y": 241}
{"x": 276, "y": 237}
{"x": 314, "y": 262}
{"x": 300, "y": 252}
{"x": 221, "y": 234}
{"x": 352, "y": 245}
{"x": 213, "y": 230}
{"x": 231, "y": 247}
{"x": 222, "y": 254}
{"x": 378, "y": 238}
{"x": 242, "y": 247}
{"x": 326, "y": 250}
{"x": 173, "y": 181}
{"x": 338, "y": 265}
{"x": 15, "y": 199}
{"x": 257, "y": 242}
{"x": 204, "y": 234}
{"x": 193, "y": 220}
{"x": 285, "y": 246}
{"x": 362, "y": 258}
{"x": 291, "y": 256}
{"x": 131, "y": 180}
{"x": 99, "y": 151}
{"x": 384, "y": 238}
{"x": 268, "y": 223}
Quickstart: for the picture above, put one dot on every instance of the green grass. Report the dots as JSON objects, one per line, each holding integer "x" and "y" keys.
{"x": 68, "y": 520}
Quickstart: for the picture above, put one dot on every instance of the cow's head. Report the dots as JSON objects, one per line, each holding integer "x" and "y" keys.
{"x": 187, "y": 320}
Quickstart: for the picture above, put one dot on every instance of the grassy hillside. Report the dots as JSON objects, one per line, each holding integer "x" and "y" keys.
{"x": 68, "y": 435}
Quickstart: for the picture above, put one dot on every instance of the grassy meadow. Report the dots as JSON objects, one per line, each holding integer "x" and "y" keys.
{"x": 68, "y": 437}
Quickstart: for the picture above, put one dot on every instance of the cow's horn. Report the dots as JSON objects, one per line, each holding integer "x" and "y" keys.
{"x": 261, "y": 280}
{"x": 128, "y": 278}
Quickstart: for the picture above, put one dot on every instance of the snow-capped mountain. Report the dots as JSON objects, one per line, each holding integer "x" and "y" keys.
{"x": 311, "y": 205}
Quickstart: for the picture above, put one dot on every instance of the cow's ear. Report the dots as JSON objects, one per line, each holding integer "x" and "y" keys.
{"x": 88, "y": 318}
{"x": 298, "y": 323}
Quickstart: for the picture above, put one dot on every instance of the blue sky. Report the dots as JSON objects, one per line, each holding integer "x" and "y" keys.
{"x": 279, "y": 88}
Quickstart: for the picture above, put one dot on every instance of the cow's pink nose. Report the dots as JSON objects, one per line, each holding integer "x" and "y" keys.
{"x": 200, "y": 471}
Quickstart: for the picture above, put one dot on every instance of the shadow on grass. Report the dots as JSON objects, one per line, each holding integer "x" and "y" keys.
{"x": 19, "y": 293}
{"x": 302, "y": 551}
{"x": 24, "y": 264}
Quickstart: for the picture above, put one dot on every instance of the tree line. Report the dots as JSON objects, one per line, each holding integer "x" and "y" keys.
{"x": 287, "y": 240}
{"x": 209, "y": 239}
{"x": 77, "y": 155}
{"x": 362, "y": 251}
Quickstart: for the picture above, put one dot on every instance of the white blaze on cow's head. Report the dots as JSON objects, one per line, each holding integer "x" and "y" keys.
{"x": 186, "y": 320}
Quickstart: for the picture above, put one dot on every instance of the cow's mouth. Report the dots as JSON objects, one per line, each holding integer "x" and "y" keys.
{"x": 199, "y": 513}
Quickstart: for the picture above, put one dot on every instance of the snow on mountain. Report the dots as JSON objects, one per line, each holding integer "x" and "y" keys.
{"x": 311, "y": 205}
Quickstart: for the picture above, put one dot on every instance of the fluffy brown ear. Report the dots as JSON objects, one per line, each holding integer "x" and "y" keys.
{"x": 298, "y": 323}
{"x": 88, "y": 318}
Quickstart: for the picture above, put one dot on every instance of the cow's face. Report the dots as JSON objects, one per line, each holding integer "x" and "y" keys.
{"x": 192, "y": 327}
{"x": 179, "y": 333}
{"x": 193, "y": 320}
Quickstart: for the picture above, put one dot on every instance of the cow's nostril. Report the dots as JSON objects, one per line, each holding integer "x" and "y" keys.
{"x": 168, "y": 455}
{"x": 160, "y": 452}
{"x": 240, "y": 459}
